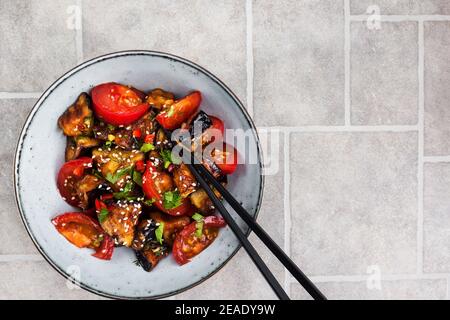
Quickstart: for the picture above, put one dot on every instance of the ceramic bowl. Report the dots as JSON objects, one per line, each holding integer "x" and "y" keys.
{"x": 40, "y": 154}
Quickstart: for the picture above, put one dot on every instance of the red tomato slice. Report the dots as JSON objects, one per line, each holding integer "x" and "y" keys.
{"x": 84, "y": 232}
{"x": 217, "y": 124}
{"x": 225, "y": 157}
{"x": 69, "y": 174}
{"x": 187, "y": 244}
{"x": 118, "y": 104}
{"x": 155, "y": 183}
{"x": 173, "y": 117}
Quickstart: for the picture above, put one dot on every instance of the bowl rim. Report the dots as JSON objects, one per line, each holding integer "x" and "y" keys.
{"x": 68, "y": 74}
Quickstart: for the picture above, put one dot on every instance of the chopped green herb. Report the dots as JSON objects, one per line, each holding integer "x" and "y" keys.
{"x": 171, "y": 111}
{"x": 199, "y": 229}
{"x": 149, "y": 202}
{"x": 125, "y": 193}
{"x": 159, "y": 233}
{"x": 111, "y": 127}
{"x": 137, "y": 177}
{"x": 108, "y": 144}
{"x": 113, "y": 178}
{"x": 199, "y": 225}
{"x": 168, "y": 159}
{"x": 171, "y": 199}
{"x": 146, "y": 147}
{"x": 197, "y": 217}
{"x": 103, "y": 214}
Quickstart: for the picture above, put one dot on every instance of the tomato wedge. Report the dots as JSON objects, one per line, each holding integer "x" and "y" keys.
{"x": 84, "y": 232}
{"x": 225, "y": 157}
{"x": 118, "y": 104}
{"x": 188, "y": 244}
{"x": 68, "y": 177}
{"x": 172, "y": 117}
{"x": 155, "y": 183}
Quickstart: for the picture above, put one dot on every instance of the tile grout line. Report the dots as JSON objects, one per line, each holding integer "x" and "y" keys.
{"x": 323, "y": 129}
{"x": 389, "y": 277}
{"x": 79, "y": 34}
{"x": 436, "y": 159}
{"x": 420, "y": 165}
{"x": 287, "y": 208}
{"x": 249, "y": 58}
{"x": 347, "y": 36}
{"x": 400, "y": 18}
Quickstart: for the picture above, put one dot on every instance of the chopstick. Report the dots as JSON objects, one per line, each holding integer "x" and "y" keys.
{"x": 260, "y": 232}
{"x": 279, "y": 291}
{"x": 198, "y": 170}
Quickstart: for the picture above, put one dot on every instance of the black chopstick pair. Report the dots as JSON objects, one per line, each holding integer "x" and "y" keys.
{"x": 203, "y": 176}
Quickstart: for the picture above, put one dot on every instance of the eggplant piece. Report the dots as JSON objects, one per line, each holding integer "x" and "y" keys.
{"x": 78, "y": 119}
{"x": 121, "y": 221}
{"x": 200, "y": 123}
{"x": 76, "y": 145}
{"x": 84, "y": 187}
{"x": 184, "y": 180}
{"x": 147, "y": 249}
{"x": 162, "y": 141}
{"x": 212, "y": 168}
{"x": 202, "y": 202}
{"x": 110, "y": 160}
{"x": 159, "y": 98}
{"x": 172, "y": 225}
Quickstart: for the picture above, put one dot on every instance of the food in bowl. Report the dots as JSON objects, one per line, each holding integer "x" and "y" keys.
{"x": 131, "y": 189}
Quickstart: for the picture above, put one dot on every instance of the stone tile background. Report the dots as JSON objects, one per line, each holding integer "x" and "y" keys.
{"x": 359, "y": 91}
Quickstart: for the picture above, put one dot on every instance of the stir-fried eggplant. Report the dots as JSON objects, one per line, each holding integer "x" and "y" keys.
{"x": 78, "y": 118}
{"x": 202, "y": 202}
{"x": 147, "y": 248}
{"x": 184, "y": 180}
{"x": 80, "y": 189}
{"x": 171, "y": 225}
{"x": 120, "y": 170}
{"x": 159, "y": 98}
{"x": 120, "y": 220}
{"x": 76, "y": 145}
{"x": 115, "y": 164}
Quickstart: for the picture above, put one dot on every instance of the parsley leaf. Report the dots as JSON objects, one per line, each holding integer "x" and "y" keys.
{"x": 199, "y": 229}
{"x": 125, "y": 194}
{"x": 137, "y": 177}
{"x": 171, "y": 111}
{"x": 159, "y": 233}
{"x": 199, "y": 225}
{"x": 103, "y": 214}
{"x": 113, "y": 178}
{"x": 197, "y": 217}
{"x": 168, "y": 159}
{"x": 146, "y": 147}
{"x": 171, "y": 199}
{"x": 149, "y": 202}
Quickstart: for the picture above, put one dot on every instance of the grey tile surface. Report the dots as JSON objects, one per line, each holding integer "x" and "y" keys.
{"x": 354, "y": 202}
{"x": 298, "y": 62}
{"x": 436, "y": 217}
{"x": 402, "y": 6}
{"x": 211, "y": 33}
{"x": 384, "y": 77}
{"x": 13, "y": 236}
{"x": 437, "y": 93}
{"x": 37, "y": 47}
{"x": 353, "y": 194}
{"x": 390, "y": 290}
{"x": 37, "y": 280}
{"x": 240, "y": 279}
